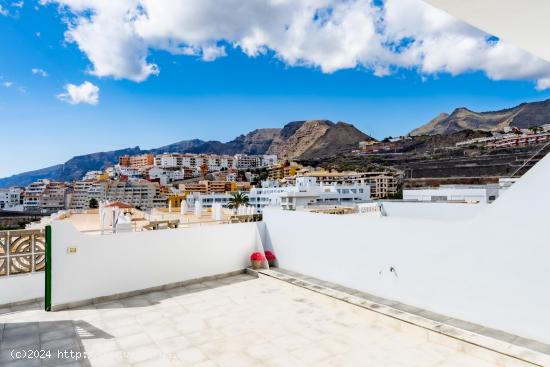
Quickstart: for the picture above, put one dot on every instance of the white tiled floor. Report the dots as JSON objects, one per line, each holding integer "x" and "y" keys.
{"x": 238, "y": 321}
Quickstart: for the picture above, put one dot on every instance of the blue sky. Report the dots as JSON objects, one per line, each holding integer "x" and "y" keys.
{"x": 194, "y": 98}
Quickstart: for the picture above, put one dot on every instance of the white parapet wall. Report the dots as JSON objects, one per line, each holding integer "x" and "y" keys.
{"x": 492, "y": 269}
{"x": 125, "y": 262}
{"x": 22, "y": 287}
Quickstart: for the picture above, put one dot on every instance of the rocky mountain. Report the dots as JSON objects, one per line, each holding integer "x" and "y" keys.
{"x": 25, "y": 178}
{"x": 317, "y": 139}
{"x": 181, "y": 146}
{"x": 255, "y": 142}
{"x": 299, "y": 137}
{"x": 524, "y": 115}
{"x": 296, "y": 140}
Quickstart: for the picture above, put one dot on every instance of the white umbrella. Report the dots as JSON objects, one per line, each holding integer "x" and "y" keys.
{"x": 198, "y": 209}
{"x": 183, "y": 207}
{"x": 217, "y": 211}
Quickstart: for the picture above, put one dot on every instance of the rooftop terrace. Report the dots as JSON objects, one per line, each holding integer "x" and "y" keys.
{"x": 238, "y": 320}
{"x": 403, "y": 291}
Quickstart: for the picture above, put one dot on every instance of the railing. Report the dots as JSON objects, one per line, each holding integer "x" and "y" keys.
{"x": 161, "y": 225}
{"x": 22, "y": 251}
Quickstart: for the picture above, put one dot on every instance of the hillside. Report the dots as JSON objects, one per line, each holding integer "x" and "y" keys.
{"x": 298, "y": 139}
{"x": 524, "y": 115}
{"x": 255, "y": 142}
{"x": 338, "y": 138}
{"x": 25, "y": 178}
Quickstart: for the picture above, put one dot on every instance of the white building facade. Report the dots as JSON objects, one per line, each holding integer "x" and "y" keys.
{"x": 470, "y": 193}
{"x": 10, "y": 198}
{"x": 305, "y": 192}
{"x": 33, "y": 195}
{"x": 138, "y": 193}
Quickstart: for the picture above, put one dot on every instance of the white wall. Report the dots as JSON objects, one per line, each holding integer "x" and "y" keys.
{"x": 493, "y": 269}
{"x": 111, "y": 264}
{"x": 450, "y": 193}
{"x": 435, "y": 210}
{"x": 23, "y": 287}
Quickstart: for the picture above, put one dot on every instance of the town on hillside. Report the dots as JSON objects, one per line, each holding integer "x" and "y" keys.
{"x": 147, "y": 182}
{"x": 170, "y": 181}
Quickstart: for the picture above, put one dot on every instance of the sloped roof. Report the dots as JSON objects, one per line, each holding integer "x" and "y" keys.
{"x": 119, "y": 204}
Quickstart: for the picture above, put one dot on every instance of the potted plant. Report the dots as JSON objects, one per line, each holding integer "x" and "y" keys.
{"x": 270, "y": 257}
{"x": 257, "y": 259}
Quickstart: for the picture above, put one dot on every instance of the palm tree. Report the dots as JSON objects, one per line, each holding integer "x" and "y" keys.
{"x": 93, "y": 204}
{"x": 237, "y": 199}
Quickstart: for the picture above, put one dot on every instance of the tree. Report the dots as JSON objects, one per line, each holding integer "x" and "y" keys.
{"x": 398, "y": 195}
{"x": 93, "y": 204}
{"x": 237, "y": 199}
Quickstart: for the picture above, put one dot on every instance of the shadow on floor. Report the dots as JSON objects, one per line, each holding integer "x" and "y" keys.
{"x": 47, "y": 343}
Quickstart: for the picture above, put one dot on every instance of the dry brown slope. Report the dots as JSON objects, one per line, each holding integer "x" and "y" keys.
{"x": 522, "y": 116}
{"x": 339, "y": 138}
{"x": 303, "y": 138}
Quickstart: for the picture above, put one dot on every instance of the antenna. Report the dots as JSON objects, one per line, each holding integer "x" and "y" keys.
{"x": 529, "y": 159}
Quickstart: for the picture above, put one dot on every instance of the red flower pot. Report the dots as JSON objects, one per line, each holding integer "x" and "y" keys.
{"x": 270, "y": 257}
{"x": 257, "y": 259}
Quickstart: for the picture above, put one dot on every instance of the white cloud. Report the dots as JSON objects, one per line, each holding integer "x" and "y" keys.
{"x": 117, "y": 36}
{"x": 83, "y": 93}
{"x": 18, "y": 4}
{"x": 41, "y": 72}
{"x": 4, "y": 11}
{"x": 9, "y": 84}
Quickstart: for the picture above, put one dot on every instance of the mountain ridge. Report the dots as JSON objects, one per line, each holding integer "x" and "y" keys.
{"x": 524, "y": 115}
{"x": 307, "y": 138}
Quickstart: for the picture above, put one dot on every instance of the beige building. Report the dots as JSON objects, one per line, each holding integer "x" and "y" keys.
{"x": 208, "y": 187}
{"x": 281, "y": 170}
{"x": 137, "y": 162}
{"x": 54, "y": 197}
{"x": 45, "y": 196}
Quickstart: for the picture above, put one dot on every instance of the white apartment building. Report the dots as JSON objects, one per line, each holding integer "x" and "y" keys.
{"x": 213, "y": 162}
{"x": 131, "y": 173}
{"x": 138, "y": 193}
{"x": 173, "y": 160}
{"x": 168, "y": 175}
{"x": 308, "y": 192}
{"x": 10, "y": 197}
{"x": 82, "y": 193}
{"x": 382, "y": 183}
{"x": 217, "y": 162}
{"x": 471, "y": 193}
{"x": 33, "y": 194}
{"x": 291, "y": 197}
{"x": 244, "y": 161}
{"x": 92, "y": 175}
{"x": 194, "y": 161}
